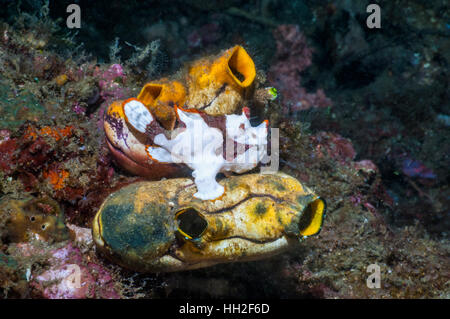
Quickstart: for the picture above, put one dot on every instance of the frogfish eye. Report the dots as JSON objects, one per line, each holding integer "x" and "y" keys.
{"x": 312, "y": 217}
{"x": 191, "y": 223}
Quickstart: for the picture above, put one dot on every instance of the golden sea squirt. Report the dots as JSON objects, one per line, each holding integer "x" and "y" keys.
{"x": 220, "y": 85}
{"x": 160, "y": 227}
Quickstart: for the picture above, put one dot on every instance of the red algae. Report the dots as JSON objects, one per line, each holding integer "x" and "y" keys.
{"x": 293, "y": 56}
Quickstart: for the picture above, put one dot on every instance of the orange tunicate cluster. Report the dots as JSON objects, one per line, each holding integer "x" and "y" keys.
{"x": 56, "y": 133}
{"x": 56, "y": 177}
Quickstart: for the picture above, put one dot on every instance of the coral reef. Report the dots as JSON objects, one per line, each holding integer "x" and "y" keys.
{"x": 379, "y": 154}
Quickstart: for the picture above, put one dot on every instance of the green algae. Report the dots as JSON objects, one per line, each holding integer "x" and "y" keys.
{"x": 16, "y": 109}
